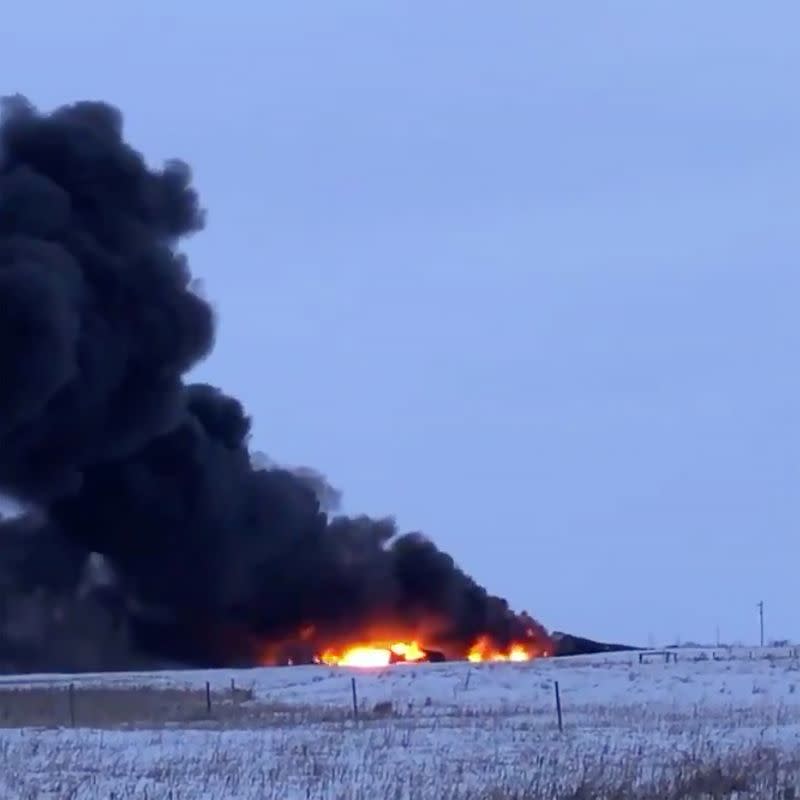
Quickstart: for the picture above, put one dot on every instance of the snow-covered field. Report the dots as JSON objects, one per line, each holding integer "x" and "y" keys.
{"x": 454, "y": 731}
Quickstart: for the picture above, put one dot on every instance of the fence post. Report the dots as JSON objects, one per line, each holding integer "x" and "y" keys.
{"x": 469, "y": 675}
{"x": 355, "y": 699}
{"x": 72, "y": 705}
{"x": 208, "y": 698}
{"x": 558, "y": 707}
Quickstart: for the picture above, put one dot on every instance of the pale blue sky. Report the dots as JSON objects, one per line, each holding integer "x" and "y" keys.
{"x": 523, "y": 274}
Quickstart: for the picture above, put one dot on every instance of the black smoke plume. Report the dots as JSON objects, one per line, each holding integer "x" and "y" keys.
{"x": 212, "y": 549}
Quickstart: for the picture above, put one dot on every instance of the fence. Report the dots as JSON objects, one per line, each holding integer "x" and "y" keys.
{"x": 37, "y": 703}
{"x": 90, "y": 706}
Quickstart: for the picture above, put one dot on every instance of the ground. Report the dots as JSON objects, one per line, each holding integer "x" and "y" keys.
{"x": 727, "y": 724}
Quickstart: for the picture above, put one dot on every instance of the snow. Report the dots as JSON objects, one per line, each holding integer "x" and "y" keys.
{"x": 456, "y": 729}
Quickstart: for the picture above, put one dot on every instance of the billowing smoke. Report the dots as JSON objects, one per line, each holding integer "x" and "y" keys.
{"x": 117, "y": 455}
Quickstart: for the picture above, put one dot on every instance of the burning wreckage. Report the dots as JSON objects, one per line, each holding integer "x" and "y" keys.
{"x": 380, "y": 651}
{"x": 213, "y": 554}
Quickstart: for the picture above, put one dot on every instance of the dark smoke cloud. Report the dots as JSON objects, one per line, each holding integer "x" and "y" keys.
{"x": 99, "y": 324}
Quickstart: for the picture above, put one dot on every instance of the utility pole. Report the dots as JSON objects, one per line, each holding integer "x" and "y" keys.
{"x": 761, "y": 619}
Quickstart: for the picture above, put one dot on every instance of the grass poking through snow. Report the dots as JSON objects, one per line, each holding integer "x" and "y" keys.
{"x": 690, "y": 731}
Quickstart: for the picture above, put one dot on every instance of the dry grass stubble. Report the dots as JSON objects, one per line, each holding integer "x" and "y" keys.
{"x": 536, "y": 770}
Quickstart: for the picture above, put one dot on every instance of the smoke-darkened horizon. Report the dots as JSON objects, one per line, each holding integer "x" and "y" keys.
{"x": 119, "y": 455}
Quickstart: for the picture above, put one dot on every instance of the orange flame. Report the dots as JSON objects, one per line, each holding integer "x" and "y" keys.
{"x": 483, "y": 650}
{"x": 374, "y": 655}
{"x": 382, "y": 654}
{"x": 380, "y": 648}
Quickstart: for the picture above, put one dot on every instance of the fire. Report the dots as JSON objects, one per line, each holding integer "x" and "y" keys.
{"x": 409, "y": 651}
{"x": 374, "y": 655}
{"x": 382, "y": 654}
{"x": 381, "y": 648}
{"x": 483, "y": 650}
